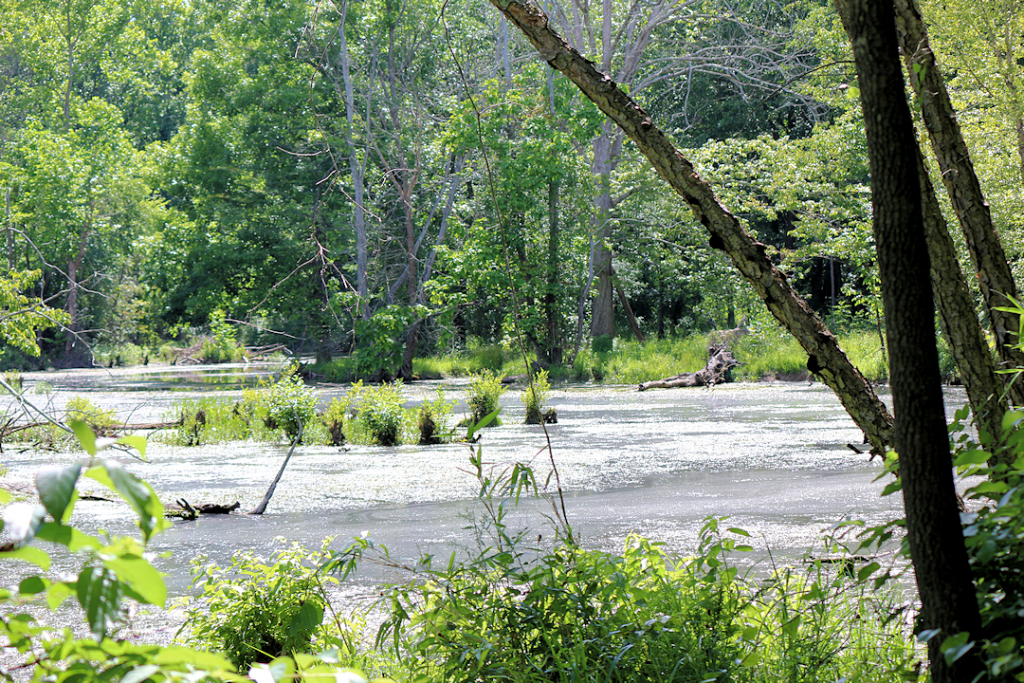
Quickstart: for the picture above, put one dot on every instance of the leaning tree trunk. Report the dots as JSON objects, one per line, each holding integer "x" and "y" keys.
{"x": 826, "y": 359}
{"x": 937, "y": 549}
{"x": 962, "y": 185}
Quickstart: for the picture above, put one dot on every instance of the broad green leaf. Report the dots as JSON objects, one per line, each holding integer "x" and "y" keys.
{"x": 136, "y": 492}
{"x": 971, "y": 457}
{"x": 955, "y": 647}
{"x": 136, "y": 442}
{"x": 140, "y": 674}
{"x": 29, "y": 554}
{"x": 752, "y": 659}
{"x": 484, "y": 421}
{"x": 67, "y": 536}
{"x": 56, "y": 486}
{"x": 741, "y": 532}
{"x": 791, "y": 627}
{"x": 59, "y": 592}
{"x": 99, "y": 594}
{"x": 307, "y": 619}
{"x": 33, "y": 585}
{"x": 177, "y": 656}
{"x": 144, "y": 579}
{"x": 85, "y": 435}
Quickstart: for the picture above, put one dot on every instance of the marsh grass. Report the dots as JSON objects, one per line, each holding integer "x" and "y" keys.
{"x": 765, "y": 355}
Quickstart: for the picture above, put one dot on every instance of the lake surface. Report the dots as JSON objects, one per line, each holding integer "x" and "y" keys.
{"x": 772, "y": 457}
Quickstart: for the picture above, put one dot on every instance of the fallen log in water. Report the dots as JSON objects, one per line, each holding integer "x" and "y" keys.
{"x": 720, "y": 362}
{"x": 109, "y": 431}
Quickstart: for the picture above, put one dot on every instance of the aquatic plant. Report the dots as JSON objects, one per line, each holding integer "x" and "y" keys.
{"x": 533, "y": 397}
{"x": 485, "y": 392}
{"x": 81, "y": 409}
{"x": 290, "y": 404}
{"x": 433, "y": 420}
{"x": 381, "y": 416}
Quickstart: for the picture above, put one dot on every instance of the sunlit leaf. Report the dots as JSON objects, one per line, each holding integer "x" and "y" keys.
{"x": 86, "y": 437}
{"x": 67, "y": 536}
{"x": 28, "y": 554}
{"x": 99, "y": 594}
{"x": 144, "y": 579}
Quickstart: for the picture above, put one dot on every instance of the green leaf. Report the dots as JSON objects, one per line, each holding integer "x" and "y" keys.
{"x": 137, "y": 442}
{"x": 85, "y": 435}
{"x": 144, "y": 579}
{"x": 867, "y": 571}
{"x": 59, "y": 592}
{"x": 971, "y": 457}
{"x": 751, "y": 660}
{"x": 140, "y": 674}
{"x": 791, "y": 627}
{"x": 177, "y": 656}
{"x": 5, "y": 497}
{"x": 29, "y": 554}
{"x": 67, "y": 536}
{"x": 56, "y": 486}
{"x": 737, "y": 530}
{"x": 33, "y": 585}
{"x": 955, "y": 647}
{"x": 136, "y": 492}
{"x": 484, "y": 421}
{"x": 307, "y": 619}
{"x": 99, "y": 594}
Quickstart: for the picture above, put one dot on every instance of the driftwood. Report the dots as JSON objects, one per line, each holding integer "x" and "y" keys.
{"x": 181, "y": 509}
{"x": 111, "y": 430}
{"x": 720, "y": 362}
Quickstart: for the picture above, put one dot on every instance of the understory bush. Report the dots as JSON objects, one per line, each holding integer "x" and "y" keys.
{"x": 253, "y": 610}
{"x": 81, "y": 409}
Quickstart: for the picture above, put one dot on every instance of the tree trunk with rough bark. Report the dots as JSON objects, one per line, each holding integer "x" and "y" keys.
{"x": 937, "y": 549}
{"x": 825, "y": 358}
{"x": 962, "y": 184}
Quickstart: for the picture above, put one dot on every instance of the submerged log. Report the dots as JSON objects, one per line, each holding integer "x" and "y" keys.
{"x": 720, "y": 362}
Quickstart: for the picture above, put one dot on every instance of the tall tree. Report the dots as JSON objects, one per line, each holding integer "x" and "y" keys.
{"x": 948, "y": 603}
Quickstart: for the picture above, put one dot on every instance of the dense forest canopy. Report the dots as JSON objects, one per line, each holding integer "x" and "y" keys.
{"x": 392, "y": 178}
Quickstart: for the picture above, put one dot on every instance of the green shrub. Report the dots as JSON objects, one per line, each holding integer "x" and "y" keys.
{"x": 254, "y": 611}
{"x": 13, "y": 377}
{"x": 485, "y": 392}
{"x": 433, "y": 420}
{"x": 381, "y": 415}
{"x": 222, "y": 346}
{"x": 333, "y": 420}
{"x": 602, "y": 344}
{"x": 81, "y": 409}
{"x": 533, "y": 398}
{"x": 290, "y": 404}
{"x": 211, "y": 420}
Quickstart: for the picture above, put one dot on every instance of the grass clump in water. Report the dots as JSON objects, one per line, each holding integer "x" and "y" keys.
{"x": 485, "y": 394}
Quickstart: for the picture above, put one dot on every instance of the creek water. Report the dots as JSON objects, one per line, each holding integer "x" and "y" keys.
{"x": 774, "y": 458}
